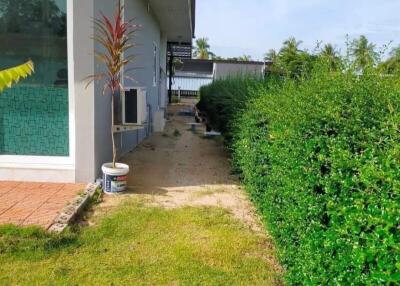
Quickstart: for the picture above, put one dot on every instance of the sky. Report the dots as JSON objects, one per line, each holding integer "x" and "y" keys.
{"x": 252, "y": 27}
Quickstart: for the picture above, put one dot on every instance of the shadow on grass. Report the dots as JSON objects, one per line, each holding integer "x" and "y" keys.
{"x": 31, "y": 240}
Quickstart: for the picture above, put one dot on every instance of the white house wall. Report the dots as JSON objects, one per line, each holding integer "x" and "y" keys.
{"x": 148, "y": 35}
{"x": 83, "y": 62}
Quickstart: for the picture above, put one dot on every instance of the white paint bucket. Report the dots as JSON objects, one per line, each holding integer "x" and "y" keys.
{"x": 115, "y": 179}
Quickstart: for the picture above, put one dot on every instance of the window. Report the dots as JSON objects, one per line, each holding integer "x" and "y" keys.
{"x": 155, "y": 65}
{"x": 34, "y": 113}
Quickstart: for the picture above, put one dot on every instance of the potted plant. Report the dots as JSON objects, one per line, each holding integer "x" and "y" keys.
{"x": 114, "y": 36}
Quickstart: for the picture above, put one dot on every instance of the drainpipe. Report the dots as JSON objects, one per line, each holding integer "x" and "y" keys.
{"x": 171, "y": 59}
{"x": 170, "y": 64}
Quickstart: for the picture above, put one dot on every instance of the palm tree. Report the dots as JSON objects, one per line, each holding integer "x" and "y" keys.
{"x": 10, "y": 76}
{"x": 291, "y": 58}
{"x": 202, "y": 49}
{"x": 271, "y": 55}
{"x": 364, "y": 53}
{"x": 331, "y": 55}
{"x": 291, "y": 46}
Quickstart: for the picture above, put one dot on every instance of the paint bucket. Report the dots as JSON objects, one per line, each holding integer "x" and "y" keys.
{"x": 115, "y": 179}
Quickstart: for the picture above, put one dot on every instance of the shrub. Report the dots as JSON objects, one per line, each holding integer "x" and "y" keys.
{"x": 224, "y": 99}
{"x": 321, "y": 160}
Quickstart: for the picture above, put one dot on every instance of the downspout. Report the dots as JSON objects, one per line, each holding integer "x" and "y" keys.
{"x": 171, "y": 61}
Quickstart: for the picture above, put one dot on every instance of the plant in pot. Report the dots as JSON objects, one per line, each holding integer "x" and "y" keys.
{"x": 114, "y": 36}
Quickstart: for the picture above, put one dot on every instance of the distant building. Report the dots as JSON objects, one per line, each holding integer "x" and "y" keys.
{"x": 192, "y": 74}
{"x": 224, "y": 69}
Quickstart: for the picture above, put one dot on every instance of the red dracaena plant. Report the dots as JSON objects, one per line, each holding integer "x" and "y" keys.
{"x": 114, "y": 37}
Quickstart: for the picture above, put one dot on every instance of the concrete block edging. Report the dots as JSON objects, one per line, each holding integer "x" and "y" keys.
{"x": 74, "y": 208}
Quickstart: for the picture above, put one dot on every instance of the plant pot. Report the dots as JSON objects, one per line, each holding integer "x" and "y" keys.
{"x": 115, "y": 179}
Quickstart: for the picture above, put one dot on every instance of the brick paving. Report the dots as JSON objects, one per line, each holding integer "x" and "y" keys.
{"x": 24, "y": 203}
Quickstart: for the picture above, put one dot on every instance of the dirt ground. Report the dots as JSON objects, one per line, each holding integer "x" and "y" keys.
{"x": 180, "y": 168}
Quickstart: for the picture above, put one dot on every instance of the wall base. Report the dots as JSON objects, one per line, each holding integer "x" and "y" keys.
{"x": 159, "y": 121}
{"x": 37, "y": 175}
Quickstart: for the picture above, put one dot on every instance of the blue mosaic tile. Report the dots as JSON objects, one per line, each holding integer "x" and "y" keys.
{"x": 34, "y": 121}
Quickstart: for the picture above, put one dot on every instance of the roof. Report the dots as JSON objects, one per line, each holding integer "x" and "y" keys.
{"x": 228, "y": 62}
{"x": 177, "y": 18}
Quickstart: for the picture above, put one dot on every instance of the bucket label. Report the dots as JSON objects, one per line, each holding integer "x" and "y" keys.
{"x": 115, "y": 184}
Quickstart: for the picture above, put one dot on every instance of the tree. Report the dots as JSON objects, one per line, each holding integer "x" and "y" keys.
{"x": 331, "y": 56}
{"x": 292, "y": 60}
{"x": 290, "y": 47}
{"x": 363, "y": 53}
{"x": 10, "y": 76}
{"x": 18, "y": 16}
{"x": 217, "y": 58}
{"x": 392, "y": 64}
{"x": 245, "y": 58}
{"x": 272, "y": 56}
{"x": 202, "y": 49}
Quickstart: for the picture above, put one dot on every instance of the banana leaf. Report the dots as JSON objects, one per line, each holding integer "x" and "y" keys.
{"x": 13, "y": 75}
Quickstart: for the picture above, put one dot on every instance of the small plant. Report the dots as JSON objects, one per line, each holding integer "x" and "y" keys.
{"x": 115, "y": 37}
{"x": 177, "y": 133}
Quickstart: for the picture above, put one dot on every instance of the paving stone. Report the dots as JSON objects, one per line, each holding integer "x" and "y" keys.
{"x": 25, "y": 203}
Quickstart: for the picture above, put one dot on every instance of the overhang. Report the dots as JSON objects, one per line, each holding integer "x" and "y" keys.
{"x": 176, "y": 18}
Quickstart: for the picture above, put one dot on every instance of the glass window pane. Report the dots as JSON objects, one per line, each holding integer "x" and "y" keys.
{"x": 34, "y": 113}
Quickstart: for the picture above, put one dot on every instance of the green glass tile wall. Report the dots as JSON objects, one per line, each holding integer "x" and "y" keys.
{"x": 34, "y": 121}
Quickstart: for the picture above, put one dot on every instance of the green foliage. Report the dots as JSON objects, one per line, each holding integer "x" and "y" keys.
{"x": 392, "y": 64}
{"x": 202, "y": 49}
{"x": 364, "y": 53}
{"x": 13, "y": 75}
{"x": 321, "y": 159}
{"x": 222, "y": 100}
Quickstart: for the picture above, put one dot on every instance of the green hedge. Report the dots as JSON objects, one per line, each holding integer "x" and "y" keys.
{"x": 321, "y": 159}
{"x": 224, "y": 99}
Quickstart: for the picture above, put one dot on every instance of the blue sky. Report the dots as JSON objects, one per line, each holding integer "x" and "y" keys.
{"x": 237, "y": 27}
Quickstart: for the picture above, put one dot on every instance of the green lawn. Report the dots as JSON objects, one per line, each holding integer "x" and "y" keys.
{"x": 137, "y": 245}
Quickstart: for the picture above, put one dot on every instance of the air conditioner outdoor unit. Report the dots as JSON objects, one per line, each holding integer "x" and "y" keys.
{"x": 134, "y": 106}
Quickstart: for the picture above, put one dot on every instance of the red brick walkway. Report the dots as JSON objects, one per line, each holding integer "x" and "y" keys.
{"x": 34, "y": 203}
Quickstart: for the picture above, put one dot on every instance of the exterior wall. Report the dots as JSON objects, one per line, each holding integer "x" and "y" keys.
{"x": 142, "y": 73}
{"x": 142, "y": 69}
{"x": 88, "y": 109}
{"x": 92, "y": 108}
{"x": 224, "y": 70}
{"x": 84, "y": 97}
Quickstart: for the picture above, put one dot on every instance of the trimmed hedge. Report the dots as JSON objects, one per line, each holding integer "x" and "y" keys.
{"x": 321, "y": 160}
{"x": 224, "y": 99}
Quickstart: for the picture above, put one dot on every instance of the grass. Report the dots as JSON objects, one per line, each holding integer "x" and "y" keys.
{"x": 208, "y": 191}
{"x": 138, "y": 245}
{"x": 177, "y": 133}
